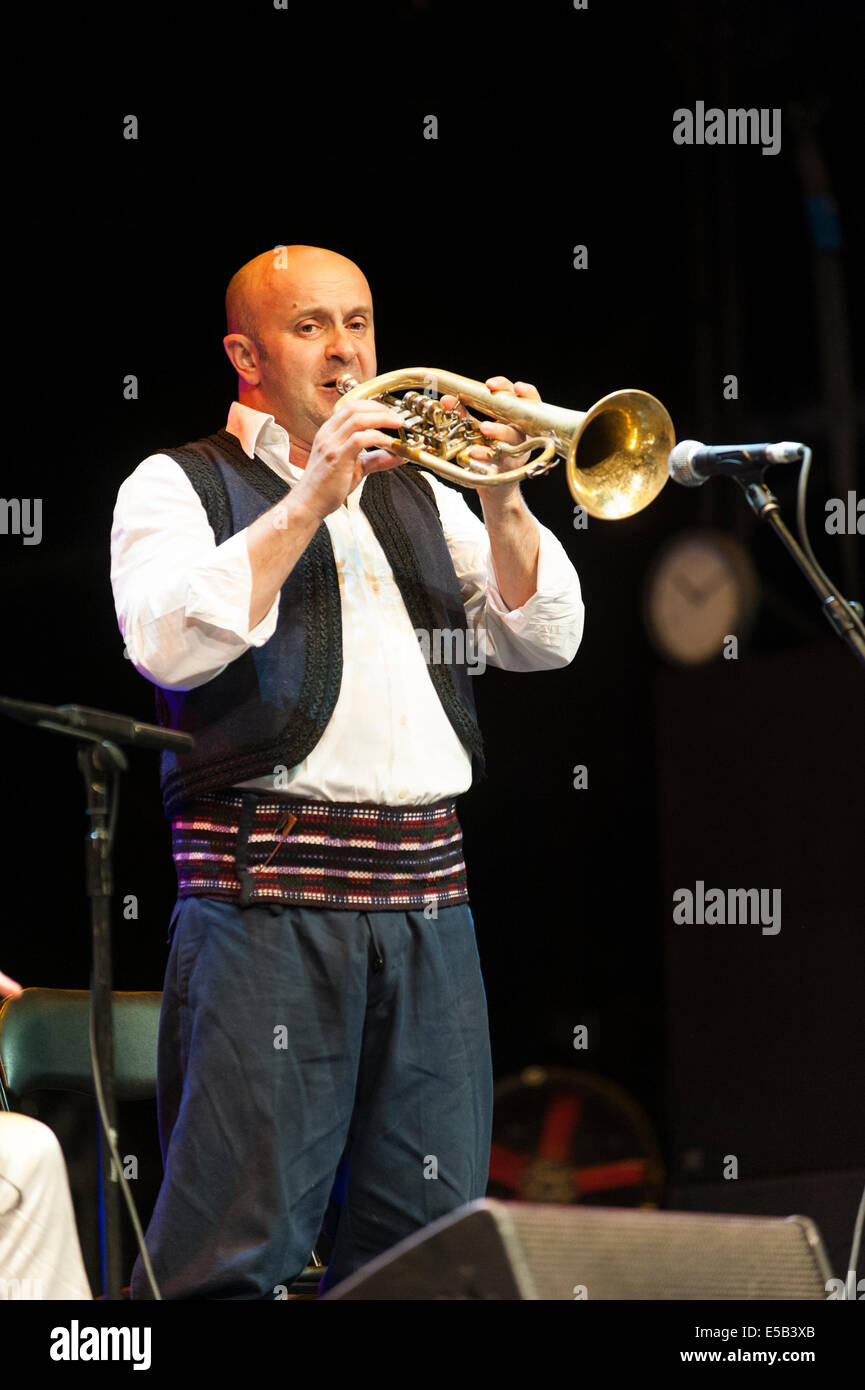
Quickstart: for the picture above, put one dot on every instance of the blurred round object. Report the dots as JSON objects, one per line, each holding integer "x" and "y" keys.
{"x": 563, "y": 1136}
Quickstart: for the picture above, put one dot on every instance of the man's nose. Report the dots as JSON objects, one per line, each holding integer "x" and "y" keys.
{"x": 341, "y": 345}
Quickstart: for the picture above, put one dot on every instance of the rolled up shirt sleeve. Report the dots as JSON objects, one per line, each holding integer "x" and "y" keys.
{"x": 182, "y": 601}
{"x": 546, "y": 631}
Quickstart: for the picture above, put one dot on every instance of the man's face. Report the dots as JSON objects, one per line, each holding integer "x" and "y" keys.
{"x": 315, "y": 323}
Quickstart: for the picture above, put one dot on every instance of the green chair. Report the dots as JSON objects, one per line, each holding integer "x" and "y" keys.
{"x": 44, "y": 1043}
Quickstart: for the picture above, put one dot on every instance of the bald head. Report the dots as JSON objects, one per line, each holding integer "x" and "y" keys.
{"x": 255, "y": 288}
{"x": 298, "y": 318}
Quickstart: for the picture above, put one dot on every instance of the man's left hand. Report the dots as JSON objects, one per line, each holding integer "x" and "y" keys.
{"x": 496, "y": 430}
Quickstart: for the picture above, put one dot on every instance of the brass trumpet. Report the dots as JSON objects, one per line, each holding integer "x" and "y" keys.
{"x": 615, "y": 454}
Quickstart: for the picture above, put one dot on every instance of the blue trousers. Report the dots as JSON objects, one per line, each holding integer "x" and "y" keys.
{"x": 305, "y": 1051}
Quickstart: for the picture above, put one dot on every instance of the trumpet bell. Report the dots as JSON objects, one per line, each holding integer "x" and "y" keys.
{"x": 617, "y": 462}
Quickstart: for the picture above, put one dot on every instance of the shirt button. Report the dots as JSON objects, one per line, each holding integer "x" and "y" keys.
{"x": 403, "y": 793}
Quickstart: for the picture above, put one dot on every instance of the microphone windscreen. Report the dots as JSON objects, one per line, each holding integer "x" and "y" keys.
{"x": 680, "y": 466}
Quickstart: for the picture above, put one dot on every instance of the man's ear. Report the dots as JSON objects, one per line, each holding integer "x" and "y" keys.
{"x": 243, "y": 357}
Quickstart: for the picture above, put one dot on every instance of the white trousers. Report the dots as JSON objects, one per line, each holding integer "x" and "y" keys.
{"x": 40, "y": 1256}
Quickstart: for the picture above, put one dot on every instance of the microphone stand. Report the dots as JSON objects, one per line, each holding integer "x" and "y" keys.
{"x": 837, "y": 609}
{"x": 99, "y": 758}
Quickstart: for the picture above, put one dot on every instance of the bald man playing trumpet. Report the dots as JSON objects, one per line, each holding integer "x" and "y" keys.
{"x": 324, "y": 1050}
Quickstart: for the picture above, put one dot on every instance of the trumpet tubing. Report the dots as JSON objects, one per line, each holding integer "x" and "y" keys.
{"x": 615, "y": 453}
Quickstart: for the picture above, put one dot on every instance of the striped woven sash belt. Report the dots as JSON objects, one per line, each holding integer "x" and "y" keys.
{"x": 239, "y": 846}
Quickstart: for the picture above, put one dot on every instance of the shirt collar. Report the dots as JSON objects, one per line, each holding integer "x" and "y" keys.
{"x": 260, "y": 434}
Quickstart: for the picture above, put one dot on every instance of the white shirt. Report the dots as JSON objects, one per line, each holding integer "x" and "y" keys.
{"x": 182, "y": 605}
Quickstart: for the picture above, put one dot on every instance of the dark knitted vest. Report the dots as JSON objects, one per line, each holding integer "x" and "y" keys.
{"x": 270, "y": 707}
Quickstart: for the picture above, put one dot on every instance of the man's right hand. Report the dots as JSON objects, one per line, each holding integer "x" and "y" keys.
{"x": 334, "y": 469}
{"x": 276, "y": 540}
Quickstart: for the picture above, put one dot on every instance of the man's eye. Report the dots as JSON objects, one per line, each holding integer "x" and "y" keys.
{"x": 359, "y": 323}
{"x": 304, "y": 326}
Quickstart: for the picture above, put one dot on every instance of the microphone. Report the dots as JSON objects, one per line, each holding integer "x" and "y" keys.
{"x": 119, "y": 727}
{"x": 691, "y": 462}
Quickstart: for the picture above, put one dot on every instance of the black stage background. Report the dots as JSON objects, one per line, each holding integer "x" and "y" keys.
{"x": 259, "y": 127}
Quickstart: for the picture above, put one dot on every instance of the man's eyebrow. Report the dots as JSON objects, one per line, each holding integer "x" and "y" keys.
{"x": 319, "y": 311}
